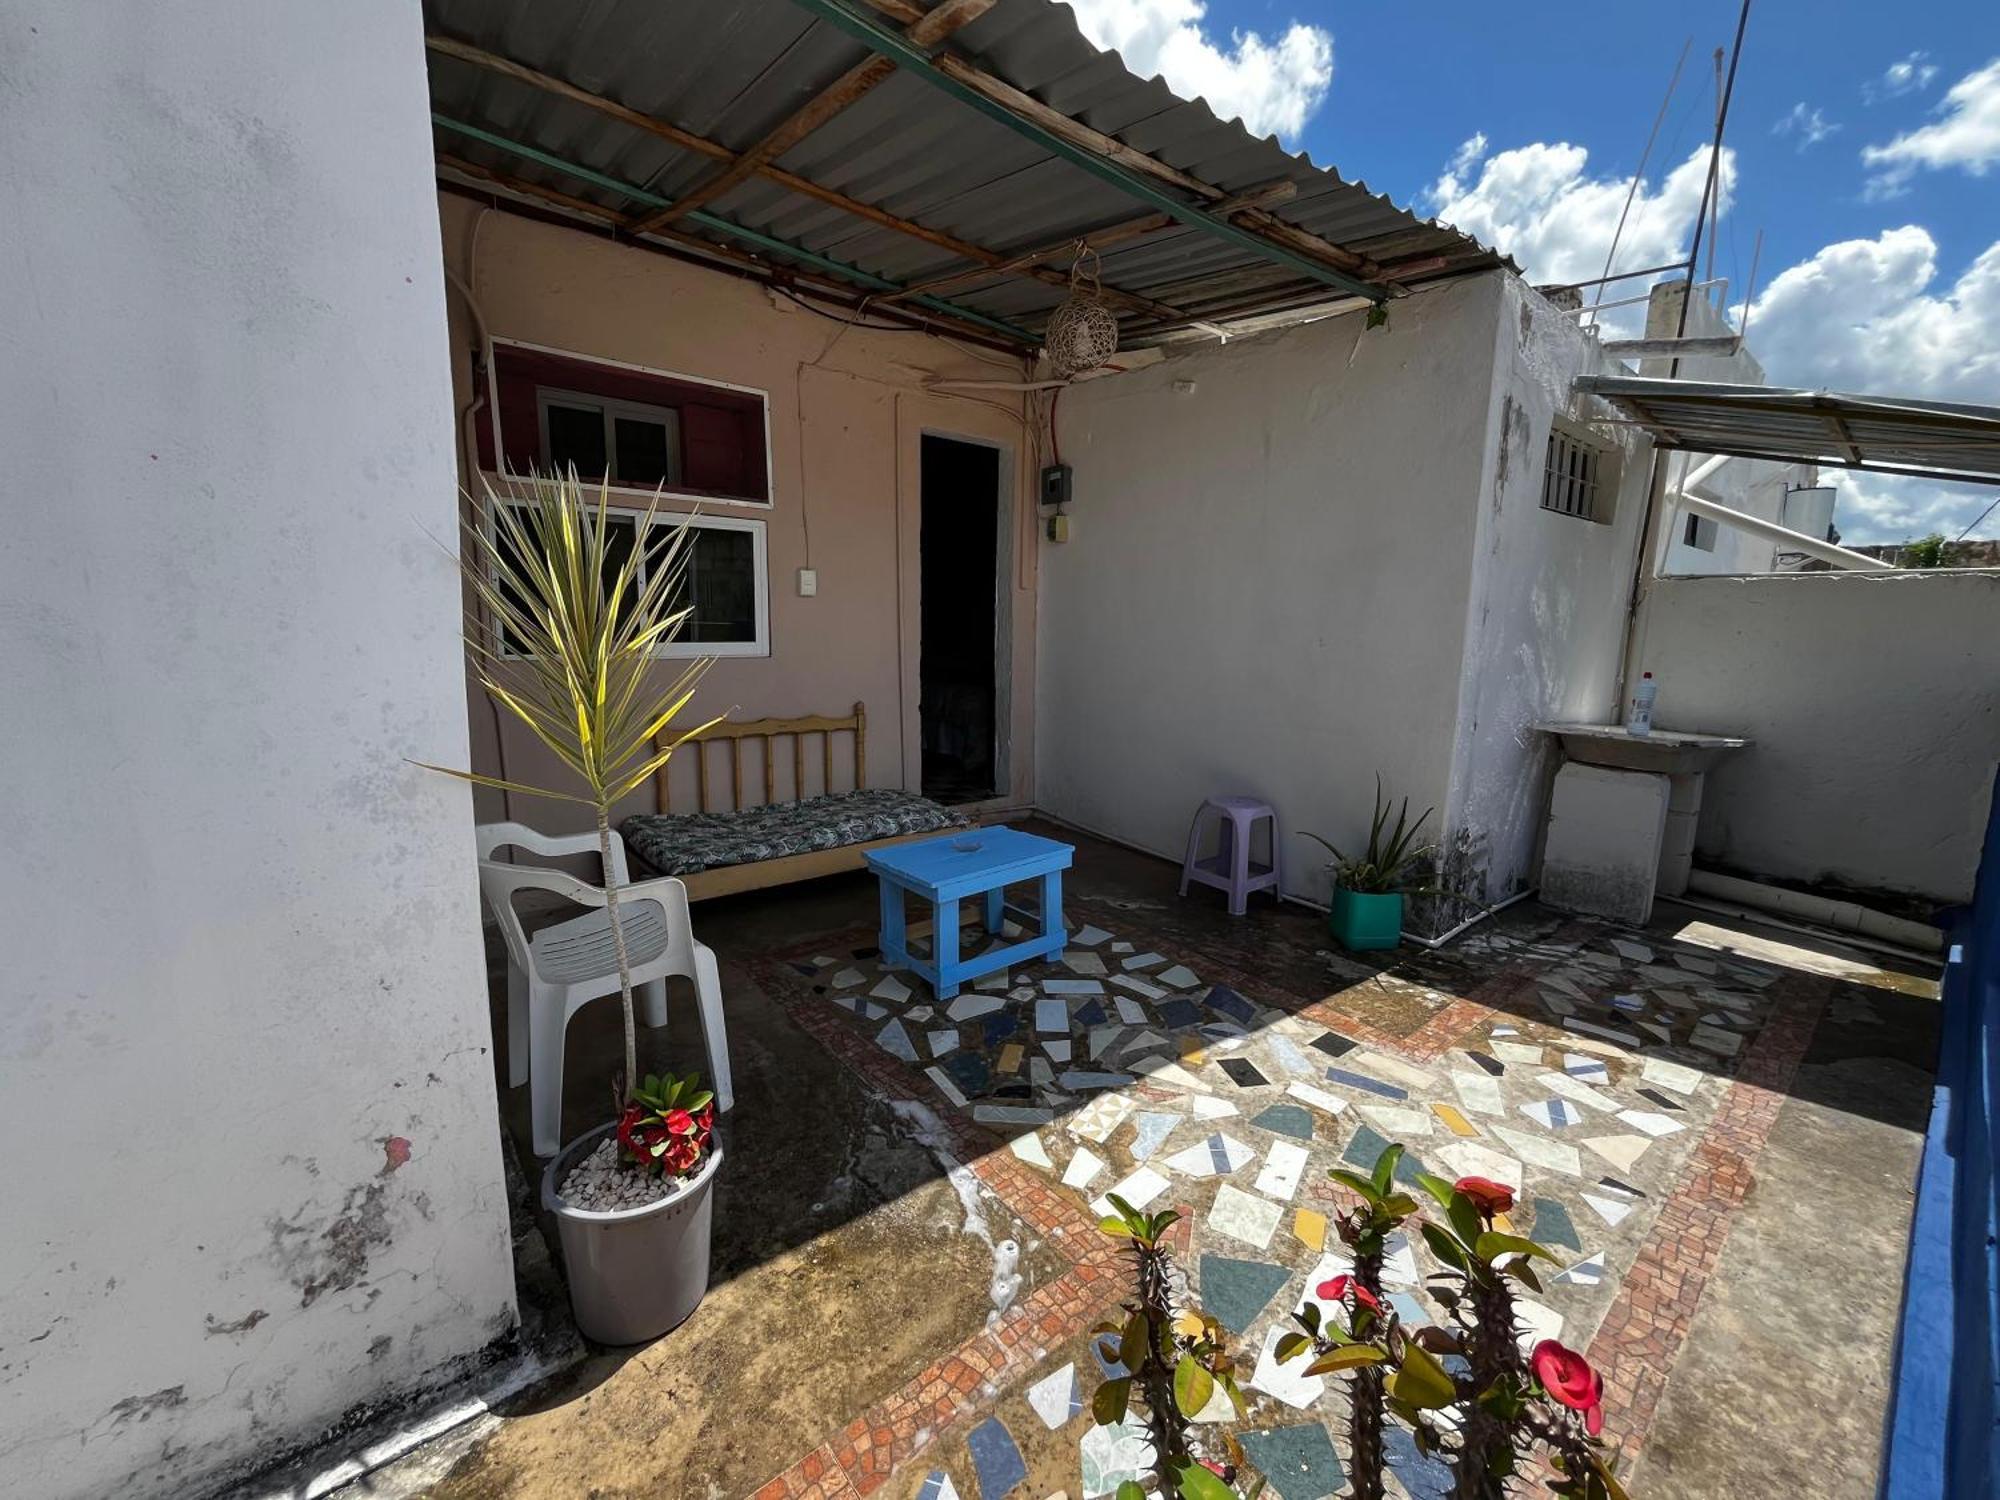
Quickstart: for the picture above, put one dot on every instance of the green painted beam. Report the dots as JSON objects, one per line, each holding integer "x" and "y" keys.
{"x": 711, "y": 221}
{"x": 907, "y": 54}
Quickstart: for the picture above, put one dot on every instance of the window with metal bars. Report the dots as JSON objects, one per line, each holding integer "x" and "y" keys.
{"x": 1572, "y": 476}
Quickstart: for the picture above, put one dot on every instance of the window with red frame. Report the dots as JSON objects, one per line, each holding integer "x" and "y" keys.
{"x": 639, "y": 429}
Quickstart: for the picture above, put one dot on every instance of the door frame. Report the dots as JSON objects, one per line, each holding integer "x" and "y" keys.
{"x": 919, "y": 416}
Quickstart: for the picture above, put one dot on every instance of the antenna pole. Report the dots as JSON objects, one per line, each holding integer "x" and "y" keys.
{"x": 1709, "y": 193}
{"x": 1638, "y": 177}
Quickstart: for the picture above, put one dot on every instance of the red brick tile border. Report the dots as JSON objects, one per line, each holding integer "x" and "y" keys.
{"x": 1641, "y": 1336}
{"x": 860, "y": 1458}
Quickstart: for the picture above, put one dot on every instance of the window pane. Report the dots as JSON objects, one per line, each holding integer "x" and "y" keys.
{"x": 645, "y": 451}
{"x": 618, "y": 534}
{"x": 721, "y": 582}
{"x": 576, "y": 438}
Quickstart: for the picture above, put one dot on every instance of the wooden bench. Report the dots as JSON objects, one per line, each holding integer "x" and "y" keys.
{"x": 761, "y": 737}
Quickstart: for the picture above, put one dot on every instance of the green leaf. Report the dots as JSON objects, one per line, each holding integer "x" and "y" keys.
{"x": 1291, "y": 1346}
{"x": 1135, "y": 1342}
{"x": 1464, "y": 1216}
{"x": 1444, "y": 1247}
{"x": 1115, "y": 1227}
{"x": 1196, "y": 1483}
{"x": 1385, "y": 1168}
{"x": 1193, "y": 1386}
{"x": 1355, "y": 1183}
{"x": 1353, "y": 1357}
{"x": 1422, "y": 1381}
{"x": 1524, "y": 1273}
{"x": 1494, "y": 1243}
{"x": 1437, "y": 1187}
{"x": 1107, "y": 1407}
{"x": 1130, "y": 1489}
{"x": 1400, "y": 1205}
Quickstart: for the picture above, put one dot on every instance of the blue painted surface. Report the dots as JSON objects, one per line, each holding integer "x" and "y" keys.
{"x": 947, "y": 870}
{"x": 1945, "y": 1397}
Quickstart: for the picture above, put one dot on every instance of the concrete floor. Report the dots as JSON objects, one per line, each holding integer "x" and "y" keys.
{"x": 843, "y": 1271}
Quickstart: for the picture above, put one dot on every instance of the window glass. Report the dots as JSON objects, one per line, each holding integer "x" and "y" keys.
{"x": 576, "y": 439}
{"x": 644, "y": 449}
{"x": 721, "y": 581}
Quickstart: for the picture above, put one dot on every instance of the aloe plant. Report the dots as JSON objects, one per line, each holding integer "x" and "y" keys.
{"x": 568, "y": 647}
{"x": 1385, "y": 868}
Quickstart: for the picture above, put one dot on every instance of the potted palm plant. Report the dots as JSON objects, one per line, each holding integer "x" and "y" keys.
{"x": 1366, "y": 909}
{"x": 572, "y": 627}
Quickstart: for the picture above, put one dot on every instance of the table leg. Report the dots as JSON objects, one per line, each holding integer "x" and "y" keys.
{"x": 1053, "y": 930}
{"x": 996, "y": 910}
{"x": 894, "y": 945}
{"x": 944, "y": 948}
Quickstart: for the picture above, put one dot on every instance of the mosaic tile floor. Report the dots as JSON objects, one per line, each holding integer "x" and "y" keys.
{"x": 1592, "y": 1075}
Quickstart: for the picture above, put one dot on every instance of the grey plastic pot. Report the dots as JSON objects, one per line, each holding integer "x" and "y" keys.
{"x": 634, "y": 1273}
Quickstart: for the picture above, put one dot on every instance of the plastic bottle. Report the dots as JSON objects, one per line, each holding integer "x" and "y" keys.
{"x": 1640, "y": 720}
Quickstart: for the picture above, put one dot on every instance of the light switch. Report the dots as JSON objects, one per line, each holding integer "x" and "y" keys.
{"x": 808, "y": 582}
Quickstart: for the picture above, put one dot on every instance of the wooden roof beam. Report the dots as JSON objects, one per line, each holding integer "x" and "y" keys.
{"x": 856, "y": 83}
{"x": 1097, "y": 239}
{"x": 1104, "y": 156}
{"x": 987, "y": 261}
{"x": 761, "y": 269}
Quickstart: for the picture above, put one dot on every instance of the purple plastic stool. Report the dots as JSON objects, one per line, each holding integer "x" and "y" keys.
{"x": 1229, "y": 868}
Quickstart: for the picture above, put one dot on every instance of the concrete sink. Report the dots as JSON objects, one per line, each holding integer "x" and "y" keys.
{"x": 1665, "y": 751}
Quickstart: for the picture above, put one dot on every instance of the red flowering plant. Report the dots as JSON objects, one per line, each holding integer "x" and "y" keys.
{"x": 1462, "y": 1387}
{"x": 664, "y": 1128}
{"x": 1175, "y": 1364}
{"x": 1371, "y": 1346}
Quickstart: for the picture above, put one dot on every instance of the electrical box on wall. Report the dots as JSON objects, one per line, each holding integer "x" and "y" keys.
{"x": 1055, "y": 485}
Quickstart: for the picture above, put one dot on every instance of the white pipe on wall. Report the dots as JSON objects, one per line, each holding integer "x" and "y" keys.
{"x": 1771, "y": 531}
{"x": 1821, "y": 911}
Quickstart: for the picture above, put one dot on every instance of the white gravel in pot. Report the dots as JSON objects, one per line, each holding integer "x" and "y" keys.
{"x": 601, "y": 1183}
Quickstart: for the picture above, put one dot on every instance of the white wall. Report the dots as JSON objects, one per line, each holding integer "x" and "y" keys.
{"x": 1757, "y": 487}
{"x": 1874, "y": 701}
{"x": 245, "y": 969}
{"x": 1545, "y": 617}
{"x": 1266, "y": 585}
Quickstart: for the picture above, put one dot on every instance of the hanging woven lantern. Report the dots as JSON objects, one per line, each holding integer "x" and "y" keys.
{"x": 1082, "y": 333}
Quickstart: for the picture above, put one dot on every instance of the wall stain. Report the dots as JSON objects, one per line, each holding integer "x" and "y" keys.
{"x": 337, "y": 1257}
{"x": 242, "y": 1325}
{"x": 142, "y": 1408}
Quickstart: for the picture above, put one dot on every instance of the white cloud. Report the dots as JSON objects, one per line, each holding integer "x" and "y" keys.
{"x": 1274, "y": 86}
{"x": 1884, "y": 508}
{"x": 1541, "y": 205}
{"x": 1810, "y": 125}
{"x": 1866, "y": 316}
{"x": 1862, "y": 315}
{"x": 1904, "y": 76}
{"x": 1966, "y": 135}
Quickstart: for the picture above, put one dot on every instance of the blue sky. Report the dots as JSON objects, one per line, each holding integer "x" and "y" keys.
{"x": 1864, "y": 141}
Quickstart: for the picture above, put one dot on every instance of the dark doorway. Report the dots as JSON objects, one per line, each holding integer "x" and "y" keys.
{"x": 959, "y": 558}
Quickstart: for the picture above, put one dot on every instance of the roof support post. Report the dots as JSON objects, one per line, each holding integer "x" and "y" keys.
{"x": 1103, "y": 164}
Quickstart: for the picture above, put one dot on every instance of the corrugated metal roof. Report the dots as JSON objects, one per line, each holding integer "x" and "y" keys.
{"x": 731, "y": 72}
{"x": 1929, "y": 439}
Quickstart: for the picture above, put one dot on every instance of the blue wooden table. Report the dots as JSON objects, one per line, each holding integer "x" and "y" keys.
{"x": 947, "y": 870}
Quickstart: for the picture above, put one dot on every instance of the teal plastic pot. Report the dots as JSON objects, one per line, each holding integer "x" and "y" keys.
{"x": 1361, "y": 921}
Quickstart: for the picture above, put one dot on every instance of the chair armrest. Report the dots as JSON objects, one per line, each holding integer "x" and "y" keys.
{"x": 502, "y": 880}
{"x": 497, "y": 836}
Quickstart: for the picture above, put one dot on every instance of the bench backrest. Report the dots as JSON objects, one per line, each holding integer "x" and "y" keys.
{"x": 765, "y": 733}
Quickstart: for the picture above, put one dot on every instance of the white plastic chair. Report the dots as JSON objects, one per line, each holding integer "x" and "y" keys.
{"x": 561, "y": 968}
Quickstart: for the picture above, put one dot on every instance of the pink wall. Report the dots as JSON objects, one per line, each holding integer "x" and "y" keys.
{"x": 847, "y": 411}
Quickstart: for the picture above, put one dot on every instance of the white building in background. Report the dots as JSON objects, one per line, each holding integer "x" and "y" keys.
{"x": 1790, "y": 495}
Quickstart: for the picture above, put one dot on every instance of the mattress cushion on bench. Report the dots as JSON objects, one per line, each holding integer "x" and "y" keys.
{"x": 688, "y": 843}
